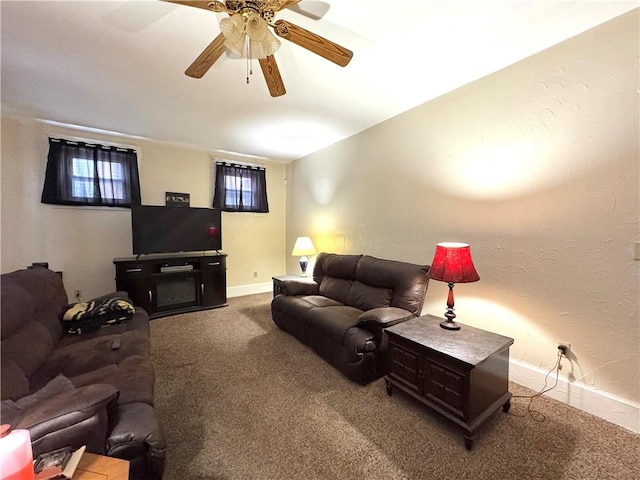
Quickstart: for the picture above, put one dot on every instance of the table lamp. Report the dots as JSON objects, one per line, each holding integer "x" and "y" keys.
{"x": 302, "y": 248}
{"x": 452, "y": 264}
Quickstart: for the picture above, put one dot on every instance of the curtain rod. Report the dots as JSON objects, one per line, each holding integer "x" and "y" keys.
{"x": 240, "y": 164}
{"x": 93, "y": 145}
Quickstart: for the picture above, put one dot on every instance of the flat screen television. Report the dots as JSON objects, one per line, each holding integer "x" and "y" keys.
{"x": 158, "y": 229}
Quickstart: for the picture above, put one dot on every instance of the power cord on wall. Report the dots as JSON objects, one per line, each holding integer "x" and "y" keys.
{"x": 536, "y": 415}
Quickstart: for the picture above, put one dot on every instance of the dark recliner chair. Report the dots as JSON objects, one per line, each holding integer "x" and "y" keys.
{"x": 74, "y": 390}
{"x": 342, "y": 314}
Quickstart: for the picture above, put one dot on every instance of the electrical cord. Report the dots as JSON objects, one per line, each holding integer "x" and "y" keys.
{"x": 535, "y": 414}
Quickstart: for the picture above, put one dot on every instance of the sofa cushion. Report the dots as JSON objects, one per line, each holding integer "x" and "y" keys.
{"x": 31, "y": 300}
{"x": 341, "y": 266}
{"x": 335, "y": 288}
{"x": 133, "y": 377}
{"x": 17, "y": 304}
{"x": 333, "y": 322}
{"x": 366, "y": 297}
{"x": 15, "y": 383}
{"x": 47, "y": 294}
{"x": 407, "y": 281}
{"x": 91, "y": 355}
{"x": 295, "y": 307}
{"x": 320, "y": 301}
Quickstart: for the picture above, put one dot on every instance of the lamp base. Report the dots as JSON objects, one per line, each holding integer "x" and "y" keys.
{"x": 450, "y": 325}
{"x": 304, "y": 262}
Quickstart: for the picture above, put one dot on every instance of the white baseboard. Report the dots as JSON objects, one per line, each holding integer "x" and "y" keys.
{"x": 249, "y": 289}
{"x": 596, "y": 402}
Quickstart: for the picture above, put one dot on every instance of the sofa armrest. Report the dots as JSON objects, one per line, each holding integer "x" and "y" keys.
{"x": 138, "y": 437}
{"x": 299, "y": 287}
{"x": 76, "y": 417}
{"x": 384, "y": 317}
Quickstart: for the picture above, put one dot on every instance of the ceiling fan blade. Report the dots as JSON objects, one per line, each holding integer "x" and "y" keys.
{"x": 287, "y": 3}
{"x": 207, "y": 58}
{"x": 315, "y": 43}
{"x": 204, "y": 4}
{"x": 272, "y": 76}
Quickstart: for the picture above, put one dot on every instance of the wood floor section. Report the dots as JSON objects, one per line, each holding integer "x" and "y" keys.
{"x": 98, "y": 467}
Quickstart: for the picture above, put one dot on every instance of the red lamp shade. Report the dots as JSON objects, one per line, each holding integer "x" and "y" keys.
{"x": 452, "y": 264}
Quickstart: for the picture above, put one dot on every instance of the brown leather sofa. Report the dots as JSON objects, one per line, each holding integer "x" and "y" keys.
{"x": 74, "y": 390}
{"x": 342, "y": 314}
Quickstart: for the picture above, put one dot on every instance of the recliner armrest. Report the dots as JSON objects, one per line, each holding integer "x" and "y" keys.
{"x": 384, "y": 317}
{"x": 57, "y": 417}
{"x": 300, "y": 287}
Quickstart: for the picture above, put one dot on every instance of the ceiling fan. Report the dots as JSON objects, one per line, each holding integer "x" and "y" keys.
{"x": 246, "y": 32}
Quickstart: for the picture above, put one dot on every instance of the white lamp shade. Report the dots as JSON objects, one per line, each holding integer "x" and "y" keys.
{"x": 303, "y": 246}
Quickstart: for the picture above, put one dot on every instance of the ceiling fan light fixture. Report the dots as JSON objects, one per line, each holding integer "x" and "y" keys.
{"x": 233, "y": 30}
{"x": 239, "y": 26}
{"x": 265, "y": 47}
{"x": 255, "y": 26}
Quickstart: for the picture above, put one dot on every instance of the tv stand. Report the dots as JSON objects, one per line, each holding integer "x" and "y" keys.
{"x": 168, "y": 284}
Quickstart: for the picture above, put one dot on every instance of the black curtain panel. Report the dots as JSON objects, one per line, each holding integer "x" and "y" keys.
{"x": 240, "y": 188}
{"x": 85, "y": 174}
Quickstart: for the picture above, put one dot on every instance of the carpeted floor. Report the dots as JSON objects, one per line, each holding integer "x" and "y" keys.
{"x": 241, "y": 399}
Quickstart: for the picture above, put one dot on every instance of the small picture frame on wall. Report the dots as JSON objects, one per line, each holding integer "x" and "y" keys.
{"x": 173, "y": 199}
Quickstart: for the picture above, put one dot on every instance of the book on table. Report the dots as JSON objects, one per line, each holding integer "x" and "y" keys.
{"x": 59, "y": 464}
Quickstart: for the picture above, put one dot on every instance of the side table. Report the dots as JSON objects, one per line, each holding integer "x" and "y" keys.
{"x": 461, "y": 374}
{"x": 277, "y": 282}
{"x": 99, "y": 467}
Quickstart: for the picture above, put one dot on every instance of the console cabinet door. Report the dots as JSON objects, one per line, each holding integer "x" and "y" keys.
{"x": 445, "y": 386}
{"x": 406, "y": 363}
{"x": 135, "y": 279}
{"x": 213, "y": 281}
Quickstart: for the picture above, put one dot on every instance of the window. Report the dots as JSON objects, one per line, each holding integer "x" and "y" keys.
{"x": 84, "y": 174}
{"x": 109, "y": 174}
{"x": 240, "y": 188}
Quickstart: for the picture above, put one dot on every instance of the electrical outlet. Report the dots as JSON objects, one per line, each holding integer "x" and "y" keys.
{"x": 255, "y": 274}
{"x": 564, "y": 347}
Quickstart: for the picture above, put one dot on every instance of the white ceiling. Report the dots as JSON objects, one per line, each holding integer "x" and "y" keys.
{"x": 119, "y": 66}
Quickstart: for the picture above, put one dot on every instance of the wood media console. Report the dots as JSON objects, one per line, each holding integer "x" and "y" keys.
{"x": 167, "y": 284}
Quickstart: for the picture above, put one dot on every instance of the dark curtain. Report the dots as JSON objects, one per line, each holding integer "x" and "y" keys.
{"x": 240, "y": 188}
{"x": 109, "y": 172}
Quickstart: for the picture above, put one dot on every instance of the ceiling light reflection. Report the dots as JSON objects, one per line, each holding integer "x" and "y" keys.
{"x": 297, "y": 135}
{"x": 497, "y": 170}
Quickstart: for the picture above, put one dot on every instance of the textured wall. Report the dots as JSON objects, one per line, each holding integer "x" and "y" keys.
{"x": 83, "y": 242}
{"x": 536, "y": 166}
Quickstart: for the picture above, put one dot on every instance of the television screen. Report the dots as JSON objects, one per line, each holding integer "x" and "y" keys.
{"x": 157, "y": 229}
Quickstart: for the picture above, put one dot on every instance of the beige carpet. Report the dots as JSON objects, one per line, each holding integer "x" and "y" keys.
{"x": 241, "y": 399}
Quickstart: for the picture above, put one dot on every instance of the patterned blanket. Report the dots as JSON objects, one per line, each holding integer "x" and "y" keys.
{"x": 84, "y": 317}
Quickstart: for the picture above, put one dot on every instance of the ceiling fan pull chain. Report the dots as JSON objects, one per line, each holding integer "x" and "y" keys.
{"x": 249, "y": 63}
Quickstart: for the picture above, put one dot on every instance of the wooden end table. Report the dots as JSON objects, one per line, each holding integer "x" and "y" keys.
{"x": 461, "y": 374}
{"x": 99, "y": 467}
